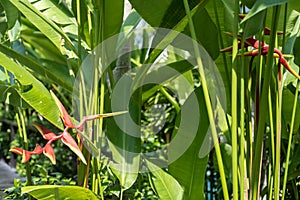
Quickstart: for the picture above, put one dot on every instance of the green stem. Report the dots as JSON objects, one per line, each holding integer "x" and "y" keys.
{"x": 243, "y": 179}
{"x": 234, "y": 104}
{"x": 23, "y": 134}
{"x": 207, "y": 102}
{"x": 290, "y": 139}
{"x": 263, "y": 106}
{"x": 278, "y": 137}
{"x": 170, "y": 98}
{"x": 272, "y": 144}
{"x": 78, "y": 31}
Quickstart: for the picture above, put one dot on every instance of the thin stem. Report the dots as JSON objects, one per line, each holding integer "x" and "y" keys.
{"x": 263, "y": 106}
{"x": 243, "y": 179}
{"x": 207, "y": 102}
{"x": 170, "y": 98}
{"x": 278, "y": 135}
{"x": 78, "y": 31}
{"x": 234, "y": 104}
{"x": 23, "y": 134}
{"x": 290, "y": 139}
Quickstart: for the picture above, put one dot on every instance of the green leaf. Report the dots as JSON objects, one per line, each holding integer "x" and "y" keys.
{"x": 46, "y": 26}
{"x": 255, "y": 24}
{"x": 293, "y": 25}
{"x": 48, "y": 192}
{"x": 123, "y": 133}
{"x": 296, "y": 51}
{"x": 9, "y": 95}
{"x": 166, "y": 14}
{"x": 131, "y": 21}
{"x": 59, "y": 76}
{"x": 206, "y": 32}
{"x": 287, "y": 109}
{"x": 261, "y": 5}
{"x": 163, "y": 75}
{"x": 33, "y": 92}
{"x": 164, "y": 184}
{"x": 113, "y": 16}
{"x": 171, "y": 14}
{"x": 111, "y": 13}
{"x": 11, "y": 13}
{"x": 56, "y": 11}
{"x": 190, "y": 168}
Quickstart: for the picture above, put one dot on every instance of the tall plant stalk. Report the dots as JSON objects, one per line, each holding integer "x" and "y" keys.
{"x": 290, "y": 140}
{"x": 23, "y": 134}
{"x": 263, "y": 106}
{"x": 207, "y": 102}
{"x": 234, "y": 102}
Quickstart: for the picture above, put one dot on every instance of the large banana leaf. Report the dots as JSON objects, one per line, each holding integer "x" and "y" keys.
{"x": 55, "y": 75}
{"x": 33, "y": 91}
{"x": 48, "y": 192}
{"x": 171, "y": 14}
{"x": 52, "y": 31}
{"x": 124, "y": 133}
{"x": 261, "y": 5}
{"x": 190, "y": 168}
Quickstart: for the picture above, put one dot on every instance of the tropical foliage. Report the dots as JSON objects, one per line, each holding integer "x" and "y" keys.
{"x": 204, "y": 107}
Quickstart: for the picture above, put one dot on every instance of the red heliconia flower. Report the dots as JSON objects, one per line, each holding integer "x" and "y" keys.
{"x": 264, "y": 51}
{"x": 65, "y": 136}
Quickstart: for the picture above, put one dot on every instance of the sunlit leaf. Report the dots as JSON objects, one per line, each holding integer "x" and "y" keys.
{"x": 37, "y": 96}
{"x": 164, "y": 184}
{"x": 50, "y": 192}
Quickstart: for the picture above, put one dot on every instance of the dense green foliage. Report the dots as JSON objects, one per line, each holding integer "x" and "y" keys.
{"x": 187, "y": 133}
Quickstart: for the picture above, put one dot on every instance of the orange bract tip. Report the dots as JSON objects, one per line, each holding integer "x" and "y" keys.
{"x": 25, "y": 156}
{"x": 16, "y": 150}
{"x": 49, "y": 152}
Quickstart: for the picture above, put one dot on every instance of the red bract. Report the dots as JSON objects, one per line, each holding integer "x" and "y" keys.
{"x": 63, "y": 112}
{"x": 26, "y": 154}
{"x": 264, "y": 51}
{"x": 47, "y": 134}
{"x": 49, "y": 152}
{"x": 70, "y": 142}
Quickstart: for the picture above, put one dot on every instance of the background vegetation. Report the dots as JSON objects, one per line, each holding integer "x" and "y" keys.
{"x": 43, "y": 44}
